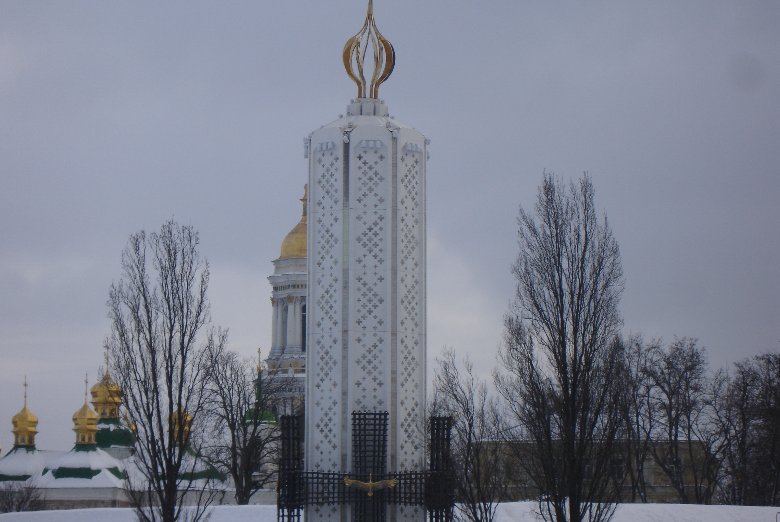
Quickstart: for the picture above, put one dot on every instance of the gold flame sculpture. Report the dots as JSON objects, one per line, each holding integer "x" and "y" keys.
{"x": 356, "y": 51}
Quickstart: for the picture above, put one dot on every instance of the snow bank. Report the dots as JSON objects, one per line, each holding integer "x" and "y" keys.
{"x": 513, "y": 512}
{"x": 220, "y": 514}
{"x": 526, "y": 512}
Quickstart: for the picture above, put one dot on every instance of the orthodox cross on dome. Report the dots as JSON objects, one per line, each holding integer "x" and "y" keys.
{"x": 356, "y": 51}
{"x": 25, "y": 391}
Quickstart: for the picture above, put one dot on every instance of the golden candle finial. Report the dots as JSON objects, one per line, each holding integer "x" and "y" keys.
{"x": 356, "y": 49}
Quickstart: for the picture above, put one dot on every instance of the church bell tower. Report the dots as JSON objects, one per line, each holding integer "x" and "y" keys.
{"x": 366, "y": 356}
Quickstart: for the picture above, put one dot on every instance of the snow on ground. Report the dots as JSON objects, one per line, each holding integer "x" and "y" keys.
{"x": 525, "y": 512}
{"x": 219, "y": 514}
{"x": 512, "y": 512}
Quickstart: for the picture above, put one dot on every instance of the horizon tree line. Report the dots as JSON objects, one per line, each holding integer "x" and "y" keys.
{"x": 580, "y": 410}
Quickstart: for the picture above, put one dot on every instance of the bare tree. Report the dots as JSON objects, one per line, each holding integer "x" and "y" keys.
{"x": 687, "y": 439}
{"x": 734, "y": 399}
{"x": 477, "y": 456}
{"x": 768, "y": 433}
{"x": 560, "y": 363}
{"x": 245, "y": 439}
{"x": 159, "y": 345}
{"x": 748, "y": 416}
{"x": 637, "y": 430}
{"x": 19, "y": 496}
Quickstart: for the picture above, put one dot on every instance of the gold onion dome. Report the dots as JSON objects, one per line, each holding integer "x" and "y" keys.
{"x": 355, "y": 53}
{"x": 179, "y": 429}
{"x": 85, "y": 424}
{"x": 106, "y": 397}
{"x": 25, "y": 426}
{"x": 294, "y": 244}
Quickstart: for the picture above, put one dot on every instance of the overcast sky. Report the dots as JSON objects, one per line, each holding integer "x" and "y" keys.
{"x": 115, "y": 116}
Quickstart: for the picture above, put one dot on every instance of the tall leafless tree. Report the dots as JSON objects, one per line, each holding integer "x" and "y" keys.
{"x": 734, "y": 399}
{"x": 637, "y": 431}
{"x": 477, "y": 457}
{"x": 687, "y": 444}
{"x": 560, "y": 361}
{"x": 159, "y": 344}
{"x": 768, "y": 436}
{"x": 748, "y": 416}
{"x": 245, "y": 439}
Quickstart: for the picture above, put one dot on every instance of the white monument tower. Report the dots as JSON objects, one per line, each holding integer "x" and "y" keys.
{"x": 366, "y": 287}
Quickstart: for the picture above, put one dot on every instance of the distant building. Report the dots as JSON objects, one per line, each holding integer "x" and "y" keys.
{"x": 94, "y": 472}
{"x": 287, "y": 358}
{"x": 87, "y": 475}
{"x": 519, "y": 485}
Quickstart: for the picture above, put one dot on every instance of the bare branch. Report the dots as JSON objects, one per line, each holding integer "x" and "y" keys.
{"x": 158, "y": 346}
{"x": 560, "y": 363}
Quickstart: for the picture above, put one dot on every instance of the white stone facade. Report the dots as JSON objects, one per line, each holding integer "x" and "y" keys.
{"x": 288, "y": 343}
{"x": 367, "y": 284}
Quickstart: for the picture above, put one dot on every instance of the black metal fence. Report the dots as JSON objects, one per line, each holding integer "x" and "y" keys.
{"x": 432, "y": 490}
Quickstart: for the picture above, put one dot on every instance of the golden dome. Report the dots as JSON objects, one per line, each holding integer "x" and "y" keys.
{"x": 85, "y": 424}
{"x": 185, "y": 430}
{"x": 25, "y": 425}
{"x": 294, "y": 245}
{"x": 106, "y": 397}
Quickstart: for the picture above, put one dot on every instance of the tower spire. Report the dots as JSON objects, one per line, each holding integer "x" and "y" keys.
{"x": 356, "y": 51}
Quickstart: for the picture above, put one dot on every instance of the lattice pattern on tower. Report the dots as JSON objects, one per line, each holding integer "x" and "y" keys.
{"x": 410, "y": 294}
{"x": 325, "y": 374}
{"x": 368, "y": 275}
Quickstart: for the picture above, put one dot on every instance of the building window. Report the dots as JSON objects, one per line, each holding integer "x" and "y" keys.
{"x": 303, "y": 328}
{"x": 283, "y": 333}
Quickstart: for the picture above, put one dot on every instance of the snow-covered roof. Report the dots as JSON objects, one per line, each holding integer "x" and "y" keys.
{"x": 104, "y": 479}
{"x": 94, "y": 459}
{"x": 83, "y": 468}
{"x": 25, "y": 462}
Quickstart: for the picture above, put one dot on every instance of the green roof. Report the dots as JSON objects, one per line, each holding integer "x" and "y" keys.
{"x": 120, "y": 436}
{"x": 14, "y": 478}
{"x": 262, "y": 416}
